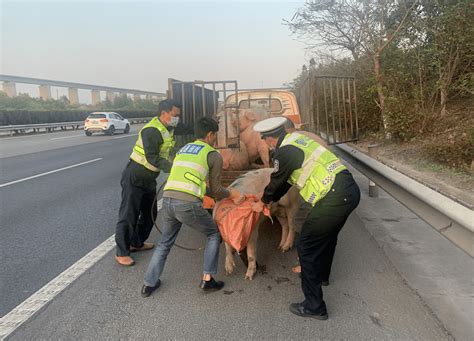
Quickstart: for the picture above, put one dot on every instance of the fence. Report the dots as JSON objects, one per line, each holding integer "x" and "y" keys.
{"x": 328, "y": 106}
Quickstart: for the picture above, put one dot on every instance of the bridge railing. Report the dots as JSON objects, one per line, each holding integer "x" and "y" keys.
{"x": 451, "y": 219}
{"x": 50, "y": 127}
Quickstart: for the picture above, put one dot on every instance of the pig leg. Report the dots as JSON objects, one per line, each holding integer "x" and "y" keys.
{"x": 229, "y": 259}
{"x": 284, "y": 232}
{"x": 252, "y": 252}
{"x": 280, "y": 213}
{"x": 290, "y": 236}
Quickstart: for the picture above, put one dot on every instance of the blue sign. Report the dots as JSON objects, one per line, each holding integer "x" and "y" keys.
{"x": 191, "y": 149}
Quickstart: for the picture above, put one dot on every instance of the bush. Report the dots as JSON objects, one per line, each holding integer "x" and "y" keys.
{"x": 455, "y": 149}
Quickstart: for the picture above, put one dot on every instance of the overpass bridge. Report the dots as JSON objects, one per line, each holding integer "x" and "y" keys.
{"x": 9, "y": 87}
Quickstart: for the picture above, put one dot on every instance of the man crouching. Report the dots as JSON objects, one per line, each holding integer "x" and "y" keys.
{"x": 184, "y": 191}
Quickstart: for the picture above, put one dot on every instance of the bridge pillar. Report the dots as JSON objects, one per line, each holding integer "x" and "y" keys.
{"x": 73, "y": 96}
{"x": 10, "y": 89}
{"x": 110, "y": 95}
{"x": 136, "y": 97}
{"x": 45, "y": 92}
{"x": 95, "y": 97}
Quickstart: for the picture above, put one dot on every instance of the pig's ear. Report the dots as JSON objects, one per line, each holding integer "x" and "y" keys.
{"x": 250, "y": 115}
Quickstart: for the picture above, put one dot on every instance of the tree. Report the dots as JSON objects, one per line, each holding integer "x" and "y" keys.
{"x": 448, "y": 35}
{"x": 354, "y": 26}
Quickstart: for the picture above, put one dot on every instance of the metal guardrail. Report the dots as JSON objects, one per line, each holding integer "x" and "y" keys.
{"x": 453, "y": 220}
{"x": 49, "y": 127}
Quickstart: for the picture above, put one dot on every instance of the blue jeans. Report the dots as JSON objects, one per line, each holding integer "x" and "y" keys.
{"x": 173, "y": 214}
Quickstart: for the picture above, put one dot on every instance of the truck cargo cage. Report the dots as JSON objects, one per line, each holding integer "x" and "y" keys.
{"x": 207, "y": 99}
{"x": 328, "y": 106}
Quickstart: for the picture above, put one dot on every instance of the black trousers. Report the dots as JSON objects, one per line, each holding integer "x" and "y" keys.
{"x": 317, "y": 242}
{"x": 135, "y": 217}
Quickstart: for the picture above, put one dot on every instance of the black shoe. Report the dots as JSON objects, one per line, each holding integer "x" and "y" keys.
{"x": 146, "y": 290}
{"x": 211, "y": 285}
{"x": 298, "y": 309}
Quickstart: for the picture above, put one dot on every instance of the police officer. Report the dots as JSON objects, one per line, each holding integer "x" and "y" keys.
{"x": 183, "y": 194}
{"x": 325, "y": 184}
{"x": 150, "y": 156}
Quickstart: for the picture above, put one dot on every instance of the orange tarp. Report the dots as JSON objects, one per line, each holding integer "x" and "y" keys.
{"x": 236, "y": 222}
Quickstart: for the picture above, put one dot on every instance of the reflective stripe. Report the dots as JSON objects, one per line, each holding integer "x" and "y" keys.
{"x": 170, "y": 185}
{"x": 308, "y": 166}
{"x": 141, "y": 159}
{"x": 334, "y": 166}
{"x": 193, "y": 165}
{"x": 290, "y": 139}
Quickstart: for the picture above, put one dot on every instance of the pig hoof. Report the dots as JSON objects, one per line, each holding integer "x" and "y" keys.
{"x": 249, "y": 277}
{"x": 229, "y": 267}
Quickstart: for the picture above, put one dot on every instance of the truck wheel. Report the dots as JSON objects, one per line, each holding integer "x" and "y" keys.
{"x": 88, "y": 133}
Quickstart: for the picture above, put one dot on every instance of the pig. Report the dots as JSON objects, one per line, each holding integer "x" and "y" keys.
{"x": 235, "y": 159}
{"x": 254, "y": 183}
{"x": 231, "y": 130}
{"x": 256, "y": 147}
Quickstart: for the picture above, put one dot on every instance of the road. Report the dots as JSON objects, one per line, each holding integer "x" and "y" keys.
{"x": 387, "y": 283}
{"x": 49, "y": 222}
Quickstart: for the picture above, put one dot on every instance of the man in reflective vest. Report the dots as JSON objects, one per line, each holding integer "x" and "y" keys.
{"x": 328, "y": 187}
{"x": 150, "y": 156}
{"x": 194, "y": 164}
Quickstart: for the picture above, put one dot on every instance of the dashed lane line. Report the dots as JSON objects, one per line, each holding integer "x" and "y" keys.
{"x": 25, "y": 310}
{"x": 47, "y": 173}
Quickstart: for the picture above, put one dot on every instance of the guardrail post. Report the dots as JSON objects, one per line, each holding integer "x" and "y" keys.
{"x": 373, "y": 188}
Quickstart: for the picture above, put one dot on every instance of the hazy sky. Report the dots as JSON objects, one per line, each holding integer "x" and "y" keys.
{"x": 139, "y": 45}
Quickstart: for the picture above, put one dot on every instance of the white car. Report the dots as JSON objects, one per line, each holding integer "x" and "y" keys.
{"x": 107, "y": 122}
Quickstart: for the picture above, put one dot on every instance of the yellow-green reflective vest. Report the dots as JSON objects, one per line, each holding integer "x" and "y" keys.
{"x": 317, "y": 174}
{"x": 190, "y": 169}
{"x": 138, "y": 153}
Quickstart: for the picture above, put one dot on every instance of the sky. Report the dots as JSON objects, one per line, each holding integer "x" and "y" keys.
{"x": 140, "y": 44}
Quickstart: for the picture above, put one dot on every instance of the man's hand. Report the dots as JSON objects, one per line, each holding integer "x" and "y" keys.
{"x": 236, "y": 196}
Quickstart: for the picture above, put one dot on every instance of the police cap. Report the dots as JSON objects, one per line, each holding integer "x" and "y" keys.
{"x": 270, "y": 126}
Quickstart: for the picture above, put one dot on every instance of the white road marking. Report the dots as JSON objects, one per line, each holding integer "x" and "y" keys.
{"x": 25, "y": 310}
{"x": 66, "y": 137}
{"x": 24, "y": 136}
{"x": 50, "y": 172}
{"x": 127, "y": 135}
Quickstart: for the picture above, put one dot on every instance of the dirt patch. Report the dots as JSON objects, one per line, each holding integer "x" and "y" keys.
{"x": 410, "y": 159}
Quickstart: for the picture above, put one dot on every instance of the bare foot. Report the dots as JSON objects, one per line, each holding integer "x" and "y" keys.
{"x": 296, "y": 269}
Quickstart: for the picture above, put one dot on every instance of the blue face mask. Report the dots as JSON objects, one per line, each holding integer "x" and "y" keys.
{"x": 174, "y": 121}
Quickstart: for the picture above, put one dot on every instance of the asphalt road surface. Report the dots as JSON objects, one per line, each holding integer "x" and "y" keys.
{"x": 49, "y": 221}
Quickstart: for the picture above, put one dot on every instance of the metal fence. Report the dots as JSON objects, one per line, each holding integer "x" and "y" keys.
{"x": 328, "y": 106}
{"x": 203, "y": 99}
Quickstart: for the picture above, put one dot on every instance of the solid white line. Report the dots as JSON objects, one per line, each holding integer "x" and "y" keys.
{"x": 121, "y": 137}
{"x": 66, "y": 137}
{"x": 50, "y": 172}
{"x": 25, "y": 310}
